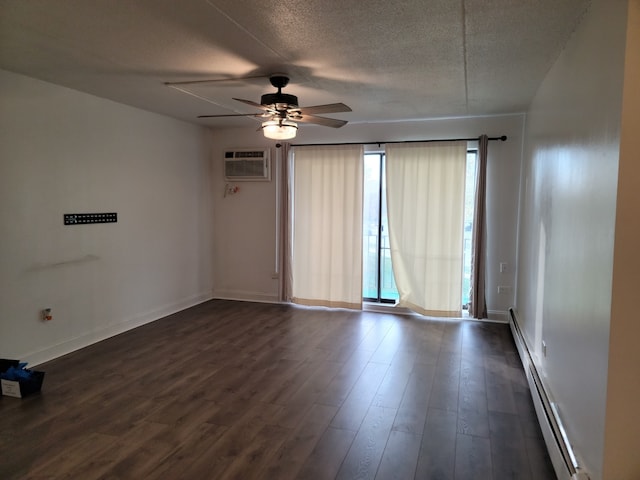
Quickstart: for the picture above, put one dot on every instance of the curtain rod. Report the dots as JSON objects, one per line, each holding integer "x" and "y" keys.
{"x": 503, "y": 138}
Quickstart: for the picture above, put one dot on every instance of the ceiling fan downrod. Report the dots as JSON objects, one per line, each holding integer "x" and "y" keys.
{"x": 281, "y": 101}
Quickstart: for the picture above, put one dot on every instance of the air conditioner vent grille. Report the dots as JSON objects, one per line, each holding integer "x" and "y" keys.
{"x": 244, "y": 168}
{"x": 249, "y": 154}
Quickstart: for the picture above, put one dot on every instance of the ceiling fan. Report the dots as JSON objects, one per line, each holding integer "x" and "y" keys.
{"x": 281, "y": 112}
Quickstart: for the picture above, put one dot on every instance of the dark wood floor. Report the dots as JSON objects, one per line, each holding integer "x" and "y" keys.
{"x": 234, "y": 390}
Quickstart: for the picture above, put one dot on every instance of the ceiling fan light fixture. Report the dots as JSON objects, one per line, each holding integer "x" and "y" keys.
{"x": 279, "y": 129}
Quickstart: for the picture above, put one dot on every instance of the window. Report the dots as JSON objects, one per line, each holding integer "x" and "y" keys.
{"x": 378, "y": 283}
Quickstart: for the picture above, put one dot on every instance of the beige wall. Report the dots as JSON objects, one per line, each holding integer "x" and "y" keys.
{"x": 62, "y": 151}
{"x": 622, "y": 431}
{"x": 245, "y": 223}
{"x": 570, "y": 176}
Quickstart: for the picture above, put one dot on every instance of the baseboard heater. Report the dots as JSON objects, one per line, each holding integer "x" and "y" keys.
{"x": 558, "y": 445}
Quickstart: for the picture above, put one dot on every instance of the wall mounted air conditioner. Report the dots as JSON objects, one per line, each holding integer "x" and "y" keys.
{"x": 247, "y": 165}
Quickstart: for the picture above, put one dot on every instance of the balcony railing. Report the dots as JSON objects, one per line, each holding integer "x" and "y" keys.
{"x": 388, "y": 289}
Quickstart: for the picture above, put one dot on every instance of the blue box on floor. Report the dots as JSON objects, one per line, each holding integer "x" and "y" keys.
{"x": 28, "y": 381}
{"x": 5, "y": 364}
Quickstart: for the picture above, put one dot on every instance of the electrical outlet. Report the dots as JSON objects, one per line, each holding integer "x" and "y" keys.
{"x": 504, "y": 289}
{"x": 503, "y": 267}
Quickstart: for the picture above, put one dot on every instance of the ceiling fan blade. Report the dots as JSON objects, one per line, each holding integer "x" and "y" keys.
{"x": 325, "y": 122}
{"x": 328, "y": 108}
{"x": 263, "y": 115}
{"x": 253, "y": 104}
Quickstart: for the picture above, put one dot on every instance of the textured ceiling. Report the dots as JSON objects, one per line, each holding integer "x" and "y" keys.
{"x": 387, "y": 60}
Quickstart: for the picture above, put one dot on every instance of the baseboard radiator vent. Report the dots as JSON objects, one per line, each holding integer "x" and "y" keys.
{"x": 562, "y": 456}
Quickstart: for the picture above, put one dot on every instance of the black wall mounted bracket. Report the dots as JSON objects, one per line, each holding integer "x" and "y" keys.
{"x": 84, "y": 218}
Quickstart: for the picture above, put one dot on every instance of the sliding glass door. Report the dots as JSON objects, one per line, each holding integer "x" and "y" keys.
{"x": 469, "y": 210}
{"x": 378, "y": 282}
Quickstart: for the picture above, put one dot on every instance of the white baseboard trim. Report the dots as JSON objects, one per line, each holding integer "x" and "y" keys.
{"x": 499, "y": 316}
{"x": 246, "y": 296}
{"x": 89, "y": 338}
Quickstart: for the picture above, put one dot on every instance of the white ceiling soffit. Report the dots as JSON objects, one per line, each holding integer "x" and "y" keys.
{"x": 387, "y": 60}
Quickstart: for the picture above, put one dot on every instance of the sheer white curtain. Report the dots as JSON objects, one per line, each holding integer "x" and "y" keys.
{"x": 326, "y": 213}
{"x": 425, "y": 207}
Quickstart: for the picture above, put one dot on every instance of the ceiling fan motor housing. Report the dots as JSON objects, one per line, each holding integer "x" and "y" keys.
{"x": 279, "y": 99}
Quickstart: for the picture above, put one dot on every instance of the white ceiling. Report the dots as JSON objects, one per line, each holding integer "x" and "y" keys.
{"x": 388, "y": 60}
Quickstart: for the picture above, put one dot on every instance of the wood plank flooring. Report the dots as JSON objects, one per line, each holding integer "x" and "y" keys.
{"x": 237, "y": 390}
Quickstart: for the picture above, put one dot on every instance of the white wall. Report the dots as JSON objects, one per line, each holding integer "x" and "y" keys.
{"x": 62, "y": 151}
{"x": 245, "y": 223}
{"x": 570, "y": 173}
